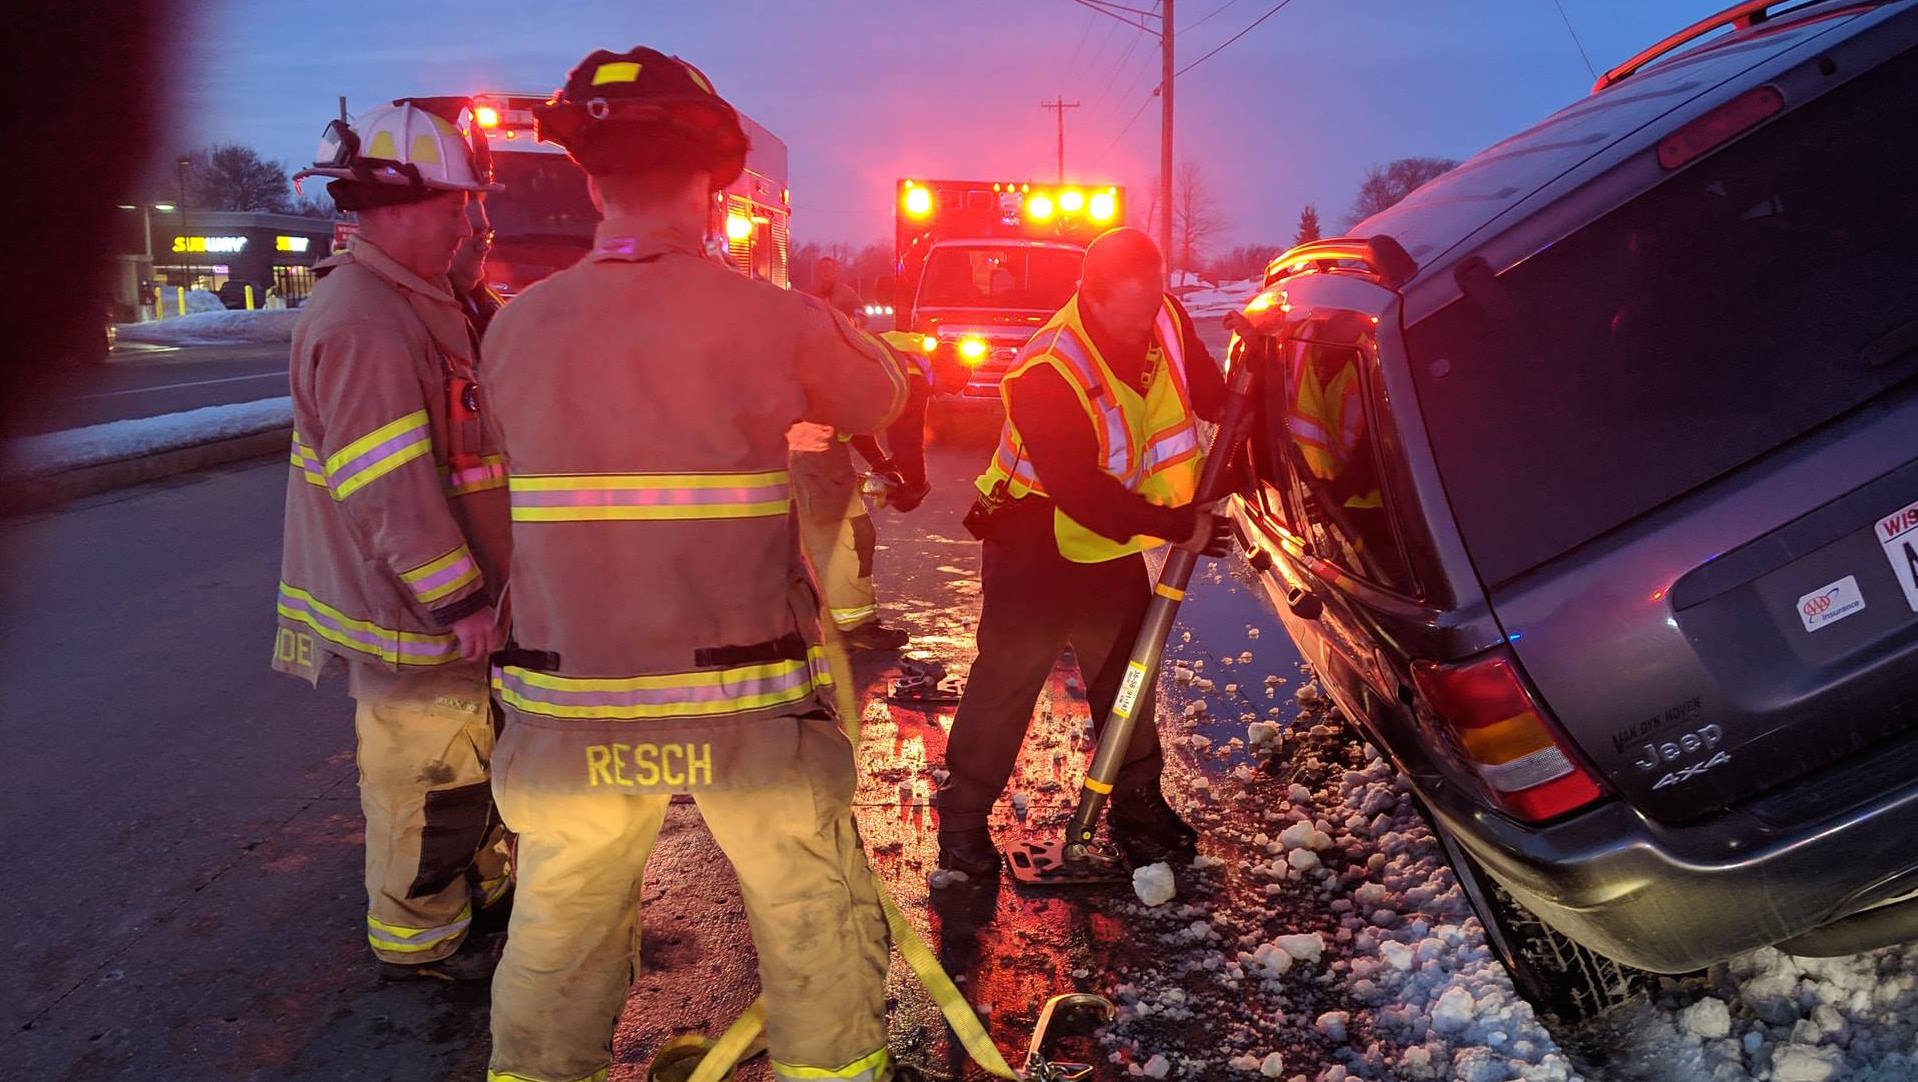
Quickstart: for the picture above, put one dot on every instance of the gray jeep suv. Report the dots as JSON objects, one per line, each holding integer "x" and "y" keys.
{"x": 1587, "y": 477}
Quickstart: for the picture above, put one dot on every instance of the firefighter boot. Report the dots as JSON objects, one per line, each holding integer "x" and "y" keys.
{"x": 873, "y": 635}
{"x": 1148, "y": 830}
{"x": 968, "y": 851}
{"x": 474, "y": 961}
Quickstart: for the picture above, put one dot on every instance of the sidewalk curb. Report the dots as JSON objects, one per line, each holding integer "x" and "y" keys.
{"x": 37, "y": 493}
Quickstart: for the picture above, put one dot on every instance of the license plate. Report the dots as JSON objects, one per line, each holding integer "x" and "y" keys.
{"x": 1898, "y": 533}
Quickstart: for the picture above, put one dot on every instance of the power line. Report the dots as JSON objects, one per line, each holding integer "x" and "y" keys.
{"x": 1220, "y": 10}
{"x": 1581, "y": 45}
{"x": 1107, "y": 152}
{"x": 1138, "y": 24}
{"x": 1081, "y": 47}
{"x": 1276, "y": 8}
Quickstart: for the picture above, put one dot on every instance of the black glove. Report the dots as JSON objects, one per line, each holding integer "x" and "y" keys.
{"x": 908, "y": 497}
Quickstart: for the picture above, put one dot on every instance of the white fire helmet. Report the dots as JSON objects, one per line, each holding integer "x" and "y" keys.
{"x": 406, "y": 146}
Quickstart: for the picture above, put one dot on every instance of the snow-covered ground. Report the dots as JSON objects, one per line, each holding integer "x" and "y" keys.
{"x": 213, "y": 328}
{"x": 1321, "y": 936}
{"x": 73, "y": 448}
{"x": 1210, "y": 300}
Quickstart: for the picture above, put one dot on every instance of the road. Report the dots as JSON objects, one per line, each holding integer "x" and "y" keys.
{"x": 184, "y": 895}
{"x": 137, "y": 381}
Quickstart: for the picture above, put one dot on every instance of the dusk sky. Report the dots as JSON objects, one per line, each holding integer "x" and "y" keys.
{"x": 864, "y": 93}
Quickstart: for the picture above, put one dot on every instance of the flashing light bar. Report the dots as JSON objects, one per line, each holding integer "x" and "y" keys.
{"x": 1037, "y": 206}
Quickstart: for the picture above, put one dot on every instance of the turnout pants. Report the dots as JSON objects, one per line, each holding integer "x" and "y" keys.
{"x": 1036, "y": 602}
{"x": 573, "y": 946}
{"x": 434, "y": 844}
{"x": 836, "y": 533}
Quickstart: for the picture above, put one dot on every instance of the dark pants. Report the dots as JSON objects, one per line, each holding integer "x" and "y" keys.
{"x": 1035, "y": 603}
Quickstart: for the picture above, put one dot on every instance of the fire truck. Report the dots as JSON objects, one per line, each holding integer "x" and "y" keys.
{"x": 980, "y": 265}
{"x": 544, "y": 219}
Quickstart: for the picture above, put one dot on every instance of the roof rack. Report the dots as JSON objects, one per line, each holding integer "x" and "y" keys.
{"x": 1740, "y": 16}
{"x": 1383, "y": 256}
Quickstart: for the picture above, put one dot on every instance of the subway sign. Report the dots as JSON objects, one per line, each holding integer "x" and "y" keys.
{"x": 284, "y": 243}
{"x": 225, "y": 245}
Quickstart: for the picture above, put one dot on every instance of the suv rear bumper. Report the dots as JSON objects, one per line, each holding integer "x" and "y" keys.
{"x": 1675, "y": 899}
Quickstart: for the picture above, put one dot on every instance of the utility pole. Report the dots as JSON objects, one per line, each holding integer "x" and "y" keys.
{"x": 1059, "y": 106}
{"x": 1165, "y": 133}
{"x": 342, "y": 108}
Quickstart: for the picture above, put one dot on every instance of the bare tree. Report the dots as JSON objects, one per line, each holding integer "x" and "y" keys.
{"x": 1308, "y": 226}
{"x": 1386, "y": 184}
{"x": 1244, "y": 261}
{"x": 1195, "y": 216}
{"x": 227, "y": 176}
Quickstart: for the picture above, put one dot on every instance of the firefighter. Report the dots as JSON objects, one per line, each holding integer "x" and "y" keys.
{"x": 828, "y": 287}
{"x": 835, "y": 526}
{"x": 1097, "y": 459}
{"x": 397, "y": 533}
{"x": 642, "y": 398}
{"x": 476, "y": 298}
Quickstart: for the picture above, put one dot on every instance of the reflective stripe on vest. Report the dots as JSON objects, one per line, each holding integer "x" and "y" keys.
{"x": 489, "y": 474}
{"x": 739, "y": 689}
{"x": 649, "y": 496}
{"x": 364, "y": 636}
{"x": 1115, "y": 438}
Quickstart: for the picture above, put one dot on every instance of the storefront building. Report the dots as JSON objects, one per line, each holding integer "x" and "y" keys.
{"x": 210, "y": 249}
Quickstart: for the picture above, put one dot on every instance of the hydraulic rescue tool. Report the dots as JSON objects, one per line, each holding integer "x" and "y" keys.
{"x": 1078, "y": 860}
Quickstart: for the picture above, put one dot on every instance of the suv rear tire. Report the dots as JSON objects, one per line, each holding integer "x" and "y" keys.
{"x": 1555, "y": 975}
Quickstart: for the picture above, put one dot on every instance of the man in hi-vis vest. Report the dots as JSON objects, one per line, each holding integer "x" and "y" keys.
{"x": 1097, "y": 462}
{"x": 642, "y": 398}
{"x": 396, "y": 531}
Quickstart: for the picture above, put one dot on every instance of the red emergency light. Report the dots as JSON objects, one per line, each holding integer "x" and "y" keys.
{"x": 952, "y": 208}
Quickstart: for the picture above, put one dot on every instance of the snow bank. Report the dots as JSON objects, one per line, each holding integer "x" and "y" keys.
{"x": 57, "y": 452}
{"x": 213, "y": 328}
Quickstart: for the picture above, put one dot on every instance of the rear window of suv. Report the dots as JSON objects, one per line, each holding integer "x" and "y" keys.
{"x": 1748, "y": 299}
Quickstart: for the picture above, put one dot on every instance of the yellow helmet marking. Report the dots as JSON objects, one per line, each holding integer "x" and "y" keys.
{"x": 624, "y": 71}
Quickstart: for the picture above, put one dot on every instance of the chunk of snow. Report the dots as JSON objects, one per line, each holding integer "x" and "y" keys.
{"x": 942, "y": 878}
{"x": 1154, "y": 884}
{"x": 1802, "y": 1063}
{"x": 1332, "y": 1024}
{"x": 1156, "y": 1067}
{"x": 1708, "y": 1019}
{"x": 1262, "y": 733}
{"x": 1302, "y": 860}
{"x": 1021, "y": 804}
{"x": 1307, "y": 947}
{"x": 1272, "y": 1066}
{"x": 1454, "y": 1010}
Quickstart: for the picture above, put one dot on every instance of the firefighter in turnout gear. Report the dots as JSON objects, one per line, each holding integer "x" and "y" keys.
{"x": 397, "y": 533}
{"x": 642, "y": 397}
{"x": 1098, "y": 460}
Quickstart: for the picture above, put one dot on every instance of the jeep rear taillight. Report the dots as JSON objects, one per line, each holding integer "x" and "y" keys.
{"x": 1505, "y": 736}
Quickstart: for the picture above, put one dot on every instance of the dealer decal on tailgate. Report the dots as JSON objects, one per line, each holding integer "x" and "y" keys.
{"x": 1898, "y": 532}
